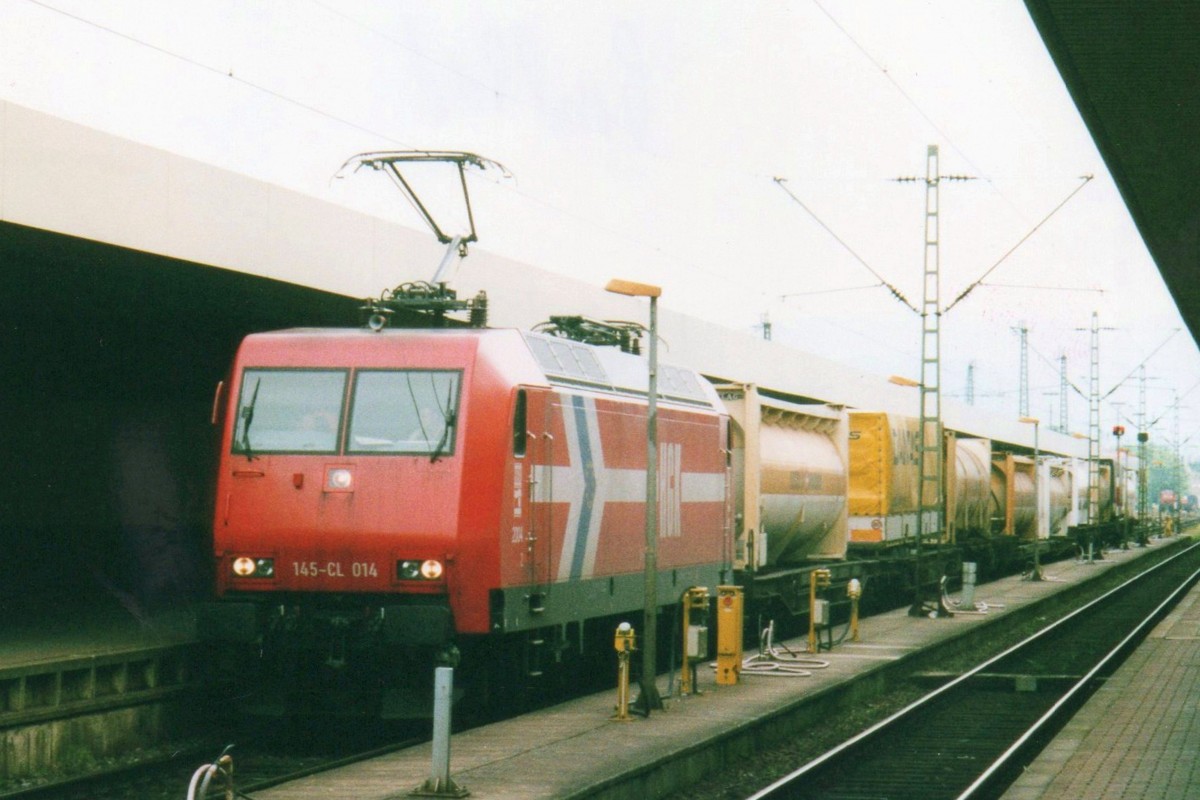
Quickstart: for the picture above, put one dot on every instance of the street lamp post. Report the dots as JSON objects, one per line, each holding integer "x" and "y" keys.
{"x": 649, "y": 698}
{"x": 1118, "y": 432}
{"x": 1036, "y": 574}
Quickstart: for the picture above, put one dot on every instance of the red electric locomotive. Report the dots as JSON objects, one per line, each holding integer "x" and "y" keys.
{"x": 390, "y": 499}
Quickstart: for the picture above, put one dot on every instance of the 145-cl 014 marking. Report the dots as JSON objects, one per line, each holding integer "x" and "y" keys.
{"x": 334, "y": 569}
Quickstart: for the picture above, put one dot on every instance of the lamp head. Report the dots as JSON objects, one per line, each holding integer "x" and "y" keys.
{"x": 632, "y": 289}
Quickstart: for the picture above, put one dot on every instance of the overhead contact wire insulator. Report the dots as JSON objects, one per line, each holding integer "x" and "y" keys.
{"x": 896, "y": 293}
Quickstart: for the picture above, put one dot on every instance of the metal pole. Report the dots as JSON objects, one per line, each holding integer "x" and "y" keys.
{"x": 1121, "y": 490}
{"x": 439, "y": 783}
{"x": 1062, "y": 394}
{"x": 1036, "y": 575}
{"x": 650, "y": 697}
{"x": 1093, "y": 516}
{"x": 1143, "y": 437}
{"x": 930, "y": 491}
{"x": 1180, "y": 489}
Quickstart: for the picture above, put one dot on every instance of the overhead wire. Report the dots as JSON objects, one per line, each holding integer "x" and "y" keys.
{"x": 896, "y": 84}
{"x": 1086, "y": 180}
{"x": 1055, "y": 367}
{"x": 831, "y": 291}
{"x": 310, "y": 108}
{"x": 405, "y": 46}
{"x": 1140, "y": 363}
{"x": 225, "y": 73}
{"x": 1041, "y": 288}
{"x": 231, "y": 74}
{"x": 882, "y": 281}
{"x": 946, "y": 137}
{"x": 274, "y": 94}
{"x": 727, "y": 280}
{"x": 508, "y": 96}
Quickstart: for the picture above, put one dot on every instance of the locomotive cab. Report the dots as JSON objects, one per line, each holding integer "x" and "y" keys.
{"x": 339, "y": 506}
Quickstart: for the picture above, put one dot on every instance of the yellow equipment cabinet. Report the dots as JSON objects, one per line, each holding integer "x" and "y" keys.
{"x": 729, "y": 634}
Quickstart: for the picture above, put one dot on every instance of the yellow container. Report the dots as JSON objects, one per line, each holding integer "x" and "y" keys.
{"x": 885, "y": 472}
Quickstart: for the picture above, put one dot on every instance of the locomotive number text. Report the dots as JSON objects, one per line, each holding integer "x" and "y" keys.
{"x": 335, "y": 569}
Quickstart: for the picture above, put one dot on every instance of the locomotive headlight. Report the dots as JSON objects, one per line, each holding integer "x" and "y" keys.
{"x": 427, "y": 570}
{"x": 339, "y": 479}
{"x": 245, "y": 567}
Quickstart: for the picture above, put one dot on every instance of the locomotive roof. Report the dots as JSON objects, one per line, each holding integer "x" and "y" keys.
{"x": 562, "y": 362}
{"x": 569, "y": 363}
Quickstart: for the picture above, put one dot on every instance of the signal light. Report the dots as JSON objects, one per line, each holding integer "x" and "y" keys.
{"x": 246, "y": 567}
{"x": 427, "y": 570}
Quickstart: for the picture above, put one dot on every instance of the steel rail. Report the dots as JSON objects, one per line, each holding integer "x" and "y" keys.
{"x": 778, "y": 788}
{"x": 985, "y": 781}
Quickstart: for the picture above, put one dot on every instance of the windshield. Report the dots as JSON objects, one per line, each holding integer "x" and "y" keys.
{"x": 289, "y": 411}
{"x": 300, "y": 411}
{"x": 410, "y": 411}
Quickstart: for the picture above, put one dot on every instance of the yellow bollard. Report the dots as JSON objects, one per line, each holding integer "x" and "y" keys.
{"x": 818, "y": 578}
{"x": 695, "y": 638}
{"x": 625, "y": 643}
{"x": 729, "y": 634}
{"x": 854, "y": 590}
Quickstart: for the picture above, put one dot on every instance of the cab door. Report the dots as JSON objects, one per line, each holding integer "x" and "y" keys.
{"x": 535, "y": 445}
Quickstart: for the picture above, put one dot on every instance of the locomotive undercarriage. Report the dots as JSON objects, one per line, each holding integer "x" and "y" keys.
{"x": 374, "y": 657}
{"x": 339, "y": 656}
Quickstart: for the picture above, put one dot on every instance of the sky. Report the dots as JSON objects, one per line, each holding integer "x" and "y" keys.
{"x": 644, "y": 141}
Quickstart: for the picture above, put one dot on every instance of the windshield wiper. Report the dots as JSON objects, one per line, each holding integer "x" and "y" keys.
{"x": 247, "y": 418}
{"x": 448, "y": 418}
{"x": 445, "y": 440}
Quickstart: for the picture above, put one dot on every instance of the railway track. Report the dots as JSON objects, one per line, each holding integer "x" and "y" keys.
{"x": 254, "y": 770}
{"x": 973, "y": 734}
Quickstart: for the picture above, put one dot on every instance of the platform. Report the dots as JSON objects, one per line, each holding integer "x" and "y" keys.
{"x": 86, "y": 674}
{"x": 85, "y": 623}
{"x": 574, "y": 750}
{"x": 1139, "y": 734}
